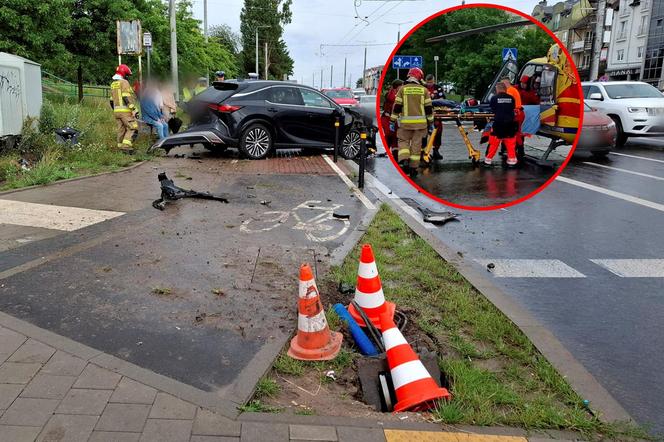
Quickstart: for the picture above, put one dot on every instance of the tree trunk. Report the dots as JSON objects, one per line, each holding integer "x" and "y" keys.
{"x": 80, "y": 82}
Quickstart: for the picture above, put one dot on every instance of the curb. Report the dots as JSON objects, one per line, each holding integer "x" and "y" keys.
{"x": 76, "y": 178}
{"x": 581, "y": 381}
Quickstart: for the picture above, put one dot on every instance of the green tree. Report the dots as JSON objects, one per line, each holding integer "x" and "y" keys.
{"x": 472, "y": 62}
{"x": 227, "y": 38}
{"x": 275, "y": 14}
{"x": 36, "y": 30}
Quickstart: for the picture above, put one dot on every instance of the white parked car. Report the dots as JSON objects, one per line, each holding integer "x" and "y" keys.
{"x": 636, "y": 107}
{"x": 359, "y": 92}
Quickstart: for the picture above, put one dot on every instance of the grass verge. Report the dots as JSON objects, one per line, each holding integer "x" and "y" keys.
{"x": 45, "y": 161}
{"x": 497, "y": 376}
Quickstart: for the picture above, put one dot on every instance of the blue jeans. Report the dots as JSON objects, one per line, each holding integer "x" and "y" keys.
{"x": 160, "y": 126}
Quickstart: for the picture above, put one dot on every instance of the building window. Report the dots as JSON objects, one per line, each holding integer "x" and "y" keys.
{"x": 621, "y": 55}
{"x": 556, "y": 22}
{"x": 585, "y": 61}
{"x": 659, "y": 22}
{"x": 642, "y": 26}
{"x": 621, "y": 29}
{"x": 639, "y": 52}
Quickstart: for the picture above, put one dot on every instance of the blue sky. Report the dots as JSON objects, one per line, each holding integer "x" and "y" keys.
{"x": 317, "y": 22}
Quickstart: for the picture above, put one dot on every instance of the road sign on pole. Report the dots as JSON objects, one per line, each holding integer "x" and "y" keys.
{"x": 407, "y": 61}
{"x": 129, "y": 37}
{"x": 509, "y": 54}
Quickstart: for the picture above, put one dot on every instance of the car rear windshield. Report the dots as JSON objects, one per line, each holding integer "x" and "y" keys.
{"x": 618, "y": 91}
{"x": 212, "y": 95}
{"x": 339, "y": 93}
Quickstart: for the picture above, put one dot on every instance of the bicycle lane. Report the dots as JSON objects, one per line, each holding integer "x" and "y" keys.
{"x": 204, "y": 293}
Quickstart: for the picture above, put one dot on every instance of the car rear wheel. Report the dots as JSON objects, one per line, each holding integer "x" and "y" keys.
{"x": 350, "y": 147}
{"x": 621, "y": 137}
{"x": 256, "y": 142}
{"x": 599, "y": 154}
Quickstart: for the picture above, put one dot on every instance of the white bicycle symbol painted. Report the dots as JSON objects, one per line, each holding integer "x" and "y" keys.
{"x": 314, "y": 220}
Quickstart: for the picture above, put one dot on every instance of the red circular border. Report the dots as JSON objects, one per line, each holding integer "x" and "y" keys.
{"x": 578, "y": 82}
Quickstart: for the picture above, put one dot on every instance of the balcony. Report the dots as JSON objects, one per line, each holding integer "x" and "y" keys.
{"x": 578, "y": 46}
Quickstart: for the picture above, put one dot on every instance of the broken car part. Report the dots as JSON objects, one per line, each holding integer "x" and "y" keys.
{"x": 171, "y": 192}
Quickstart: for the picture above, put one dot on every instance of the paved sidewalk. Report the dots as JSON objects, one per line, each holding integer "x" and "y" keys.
{"x": 51, "y": 391}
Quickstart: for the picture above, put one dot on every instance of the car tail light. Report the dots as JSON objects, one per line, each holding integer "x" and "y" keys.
{"x": 225, "y": 108}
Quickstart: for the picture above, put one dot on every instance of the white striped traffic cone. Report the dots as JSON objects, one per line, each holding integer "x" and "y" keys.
{"x": 369, "y": 292}
{"x": 313, "y": 341}
{"x": 415, "y": 388}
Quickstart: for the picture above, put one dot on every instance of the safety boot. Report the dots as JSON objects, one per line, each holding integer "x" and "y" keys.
{"x": 436, "y": 155}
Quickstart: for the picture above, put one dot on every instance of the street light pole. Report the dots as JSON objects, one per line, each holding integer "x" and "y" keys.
{"x": 398, "y": 27}
{"x": 174, "y": 51}
{"x": 205, "y": 27}
{"x": 331, "y": 74}
{"x": 257, "y": 28}
{"x": 345, "y": 60}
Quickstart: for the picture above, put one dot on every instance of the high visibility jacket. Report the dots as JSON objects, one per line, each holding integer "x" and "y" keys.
{"x": 199, "y": 89}
{"x": 122, "y": 97}
{"x": 187, "y": 93}
{"x": 412, "y": 107}
{"x": 514, "y": 92}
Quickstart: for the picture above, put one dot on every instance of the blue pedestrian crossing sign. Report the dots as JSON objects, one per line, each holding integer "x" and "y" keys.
{"x": 407, "y": 61}
{"x": 509, "y": 54}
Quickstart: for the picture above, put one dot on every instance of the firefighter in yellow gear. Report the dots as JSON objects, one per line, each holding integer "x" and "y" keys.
{"x": 188, "y": 93}
{"x": 123, "y": 102}
{"x": 413, "y": 111}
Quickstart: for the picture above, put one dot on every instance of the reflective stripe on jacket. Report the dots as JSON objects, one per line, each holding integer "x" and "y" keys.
{"x": 412, "y": 107}
{"x": 122, "y": 96}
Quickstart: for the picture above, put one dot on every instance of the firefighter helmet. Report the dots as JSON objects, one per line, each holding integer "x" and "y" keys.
{"x": 123, "y": 70}
{"x": 416, "y": 73}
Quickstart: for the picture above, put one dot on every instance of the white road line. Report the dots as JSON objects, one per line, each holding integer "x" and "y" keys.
{"x": 613, "y": 193}
{"x": 637, "y": 157}
{"x": 633, "y": 268}
{"x": 361, "y": 196}
{"x": 51, "y": 217}
{"x": 625, "y": 170}
{"x": 530, "y": 268}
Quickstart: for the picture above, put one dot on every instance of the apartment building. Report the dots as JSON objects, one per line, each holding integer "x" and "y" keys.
{"x": 629, "y": 41}
{"x": 573, "y": 22}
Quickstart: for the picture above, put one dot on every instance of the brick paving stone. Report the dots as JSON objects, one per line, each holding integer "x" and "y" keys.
{"x": 213, "y": 424}
{"x": 30, "y": 412}
{"x": 48, "y": 386}
{"x": 80, "y": 401}
{"x": 113, "y": 436}
{"x": 166, "y": 430}
{"x": 64, "y": 364}
{"x": 32, "y": 351}
{"x": 10, "y": 341}
{"x": 10, "y": 433}
{"x": 129, "y": 391}
{"x": 313, "y": 432}
{"x": 17, "y": 373}
{"x": 123, "y": 417}
{"x": 169, "y": 407}
{"x": 214, "y": 439}
{"x": 8, "y": 392}
{"x": 354, "y": 434}
{"x": 68, "y": 428}
{"x": 264, "y": 432}
{"x": 97, "y": 377}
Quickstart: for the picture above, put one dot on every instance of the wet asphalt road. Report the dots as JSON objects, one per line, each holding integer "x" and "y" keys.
{"x": 610, "y": 320}
{"x": 456, "y": 180}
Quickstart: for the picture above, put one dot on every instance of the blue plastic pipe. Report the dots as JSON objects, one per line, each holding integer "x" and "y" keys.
{"x": 361, "y": 340}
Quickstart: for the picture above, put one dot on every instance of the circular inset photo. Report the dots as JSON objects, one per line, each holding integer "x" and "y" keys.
{"x": 480, "y": 107}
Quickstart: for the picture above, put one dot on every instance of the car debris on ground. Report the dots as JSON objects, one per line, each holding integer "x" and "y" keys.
{"x": 171, "y": 192}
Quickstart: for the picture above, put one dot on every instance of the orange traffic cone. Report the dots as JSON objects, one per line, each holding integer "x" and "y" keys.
{"x": 314, "y": 341}
{"x": 415, "y": 388}
{"x": 369, "y": 292}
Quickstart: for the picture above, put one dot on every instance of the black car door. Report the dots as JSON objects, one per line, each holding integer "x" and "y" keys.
{"x": 285, "y": 105}
{"x": 321, "y": 113}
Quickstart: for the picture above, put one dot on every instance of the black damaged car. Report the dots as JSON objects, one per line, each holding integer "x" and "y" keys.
{"x": 257, "y": 116}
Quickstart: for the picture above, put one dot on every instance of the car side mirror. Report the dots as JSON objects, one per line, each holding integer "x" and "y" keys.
{"x": 596, "y": 96}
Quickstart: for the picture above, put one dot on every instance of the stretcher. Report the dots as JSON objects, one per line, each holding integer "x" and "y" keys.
{"x": 478, "y": 118}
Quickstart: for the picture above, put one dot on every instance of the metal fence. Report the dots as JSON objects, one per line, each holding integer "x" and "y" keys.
{"x": 52, "y": 84}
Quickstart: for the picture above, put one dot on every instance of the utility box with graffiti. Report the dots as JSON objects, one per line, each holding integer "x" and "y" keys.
{"x": 20, "y": 94}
